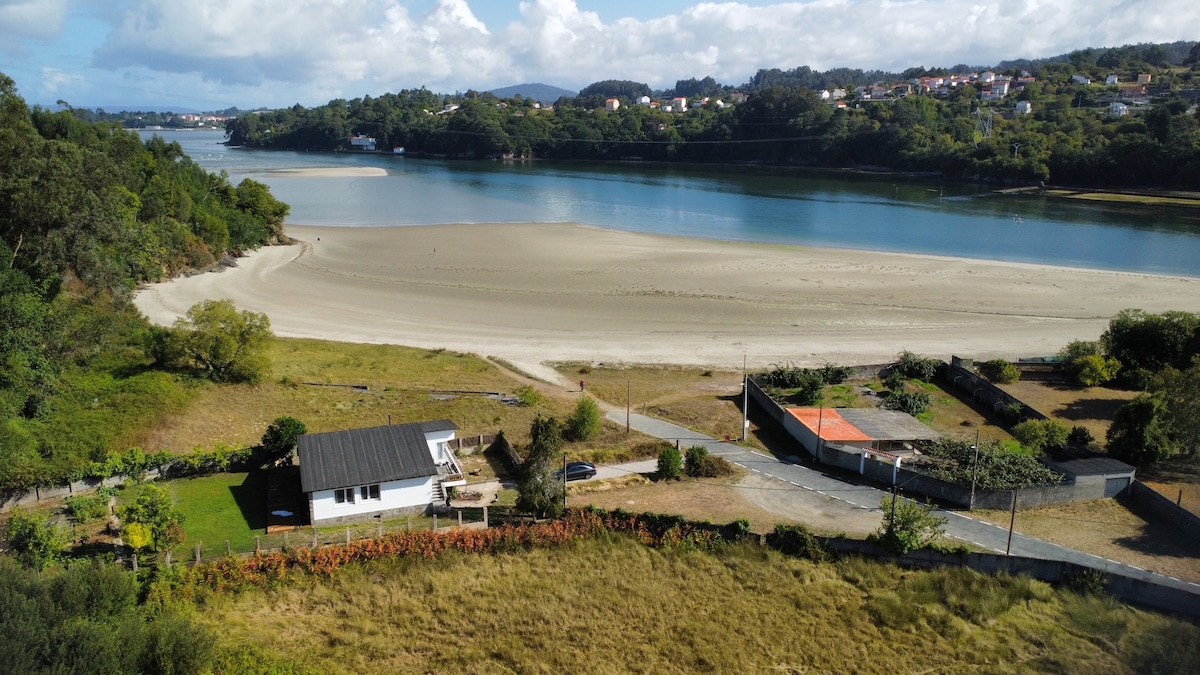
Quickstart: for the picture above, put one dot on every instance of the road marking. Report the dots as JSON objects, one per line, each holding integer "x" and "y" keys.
{"x": 1137, "y": 568}
{"x": 795, "y": 483}
{"x": 819, "y": 492}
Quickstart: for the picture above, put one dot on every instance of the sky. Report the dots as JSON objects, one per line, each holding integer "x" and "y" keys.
{"x": 215, "y": 54}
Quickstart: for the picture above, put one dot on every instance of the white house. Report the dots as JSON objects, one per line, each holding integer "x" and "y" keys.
{"x": 1024, "y": 107}
{"x": 1118, "y": 109}
{"x": 386, "y": 471}
{"x": 643, "y": 100}
{"x": 364, "y": 143}
{"x": 679, "y": 104}
{"x": 1081, "y": 79}
{"x": 611, "y": 104}
{"x": 1112, "y": 79}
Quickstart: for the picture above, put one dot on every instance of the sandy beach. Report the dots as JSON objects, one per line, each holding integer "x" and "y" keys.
{"x": 534, "y": 293}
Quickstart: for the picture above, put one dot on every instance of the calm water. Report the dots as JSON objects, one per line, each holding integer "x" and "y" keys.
{"x": 738, "y": 204}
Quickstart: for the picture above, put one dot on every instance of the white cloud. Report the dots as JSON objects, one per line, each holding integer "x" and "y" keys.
{"x": 22, "y": 20}
{"x": 307, "y": 49}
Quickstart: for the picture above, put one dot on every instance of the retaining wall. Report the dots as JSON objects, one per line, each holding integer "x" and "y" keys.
{"x": 1125, "y": 588}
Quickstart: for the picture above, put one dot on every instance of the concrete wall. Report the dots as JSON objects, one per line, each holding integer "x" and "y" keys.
{"x": 79, "y": 487}
{"x": 958, "y": 374}
{"x": 1180, "y": 517}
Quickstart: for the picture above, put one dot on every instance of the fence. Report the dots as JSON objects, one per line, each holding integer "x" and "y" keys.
{"x": 479, "y": 441}
{"x": 469, "y": 517}
{"x": 58, "y": 492}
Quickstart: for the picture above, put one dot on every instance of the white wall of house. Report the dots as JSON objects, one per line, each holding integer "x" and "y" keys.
{"x": 436, "y": 441}
{"x": 413, "y": 493}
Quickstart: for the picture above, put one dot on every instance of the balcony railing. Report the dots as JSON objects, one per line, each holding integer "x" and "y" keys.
{"x": 451, "y": 471}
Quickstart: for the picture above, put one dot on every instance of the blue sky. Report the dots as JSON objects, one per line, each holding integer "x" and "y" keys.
{"x": 213, "y": 54}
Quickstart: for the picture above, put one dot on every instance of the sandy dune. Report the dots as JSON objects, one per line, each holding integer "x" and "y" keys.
{"x": 532, "y": 293}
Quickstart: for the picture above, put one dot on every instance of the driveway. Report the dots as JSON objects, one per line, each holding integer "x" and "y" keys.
{"x": 802, "y": 480}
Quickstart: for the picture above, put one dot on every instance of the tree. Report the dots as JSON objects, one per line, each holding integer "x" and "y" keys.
{"x": 224, "y": 344}
{"x": 1038, "y": 436}
{"x": 1000, "y": 371}
{"x": 670, "y": 463}
{"x": 916, "y": 366}
{"x": 1180, "y": 390}
{"x": 154, "y": 509}
{"x": 1094, "y": 370}
{"x": 37, "y": 541}
{"x": 694, "y": 465}
{"x": 282, "y": 435}
{"x": 908, "y": 525}
{"x": 1138, "y": 433}
{"x": 584, "y": 422}
{"x": 539, "y": 491}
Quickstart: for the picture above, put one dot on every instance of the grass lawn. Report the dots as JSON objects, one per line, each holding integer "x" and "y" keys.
{"x": 220, "y": 507}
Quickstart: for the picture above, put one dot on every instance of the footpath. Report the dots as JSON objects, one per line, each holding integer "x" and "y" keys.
{"x": 792, "y": 472}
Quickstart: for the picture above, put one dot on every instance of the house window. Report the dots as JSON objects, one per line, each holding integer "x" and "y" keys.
{"x": 370, "y": 492}
{"x": 343, "y": 496}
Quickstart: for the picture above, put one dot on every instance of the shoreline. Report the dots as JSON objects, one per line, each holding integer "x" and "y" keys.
{"x": 533, "y": 293}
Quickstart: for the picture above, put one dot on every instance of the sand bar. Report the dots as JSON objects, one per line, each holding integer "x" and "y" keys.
{"x": 330, "y": 172}
{"x": 533, "y": 293}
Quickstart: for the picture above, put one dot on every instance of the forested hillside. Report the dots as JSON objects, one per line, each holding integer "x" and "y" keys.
{"x": 1071, "y": 137}
{"x": 88, "y": 211}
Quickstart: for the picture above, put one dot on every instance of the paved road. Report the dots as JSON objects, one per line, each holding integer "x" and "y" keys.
{"x": 806, "y": 475}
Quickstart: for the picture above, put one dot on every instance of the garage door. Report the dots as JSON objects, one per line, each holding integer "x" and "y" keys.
{"x": 1115, "y": 486}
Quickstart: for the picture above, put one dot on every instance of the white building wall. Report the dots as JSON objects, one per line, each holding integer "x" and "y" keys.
{"x": 434, "y": 438}
{"x": 401, "y": 494}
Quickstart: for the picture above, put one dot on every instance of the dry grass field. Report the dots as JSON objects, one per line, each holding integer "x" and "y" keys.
{"x": 1091, "y": 408}
{"x": 609, "y": 606}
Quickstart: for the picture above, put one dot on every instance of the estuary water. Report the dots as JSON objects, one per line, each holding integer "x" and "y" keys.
{"x": 885, "y": 213}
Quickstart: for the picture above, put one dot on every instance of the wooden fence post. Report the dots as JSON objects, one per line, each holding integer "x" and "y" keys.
{"x": 409, "y": 526}
{"x": 134, "y": 562}
{"x": 379, "y": 529}
{"x": 197, "y": 551}
{"x": 227, "y": 549}
{"x": 435, "y": 522}
{"x": 285, "y": 538}
{"x": 485, "y": 517}
{"x": 257, "y": 545}
{"x": 314, "y": 533}
{"x": 460, "y": 517}
{"x": 347, "y": 536}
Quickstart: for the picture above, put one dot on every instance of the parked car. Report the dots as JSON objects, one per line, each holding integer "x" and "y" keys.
{"x": 577, "y": 471}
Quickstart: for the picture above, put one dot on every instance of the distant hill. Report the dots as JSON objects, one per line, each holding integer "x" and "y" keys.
{"x": 538, "y": 92}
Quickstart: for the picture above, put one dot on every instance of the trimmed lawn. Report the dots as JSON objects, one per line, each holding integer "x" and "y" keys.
{"x": 220, "y": 507}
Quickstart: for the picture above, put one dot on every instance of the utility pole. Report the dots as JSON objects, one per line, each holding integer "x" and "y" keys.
{"x": 745, "y": 399}
{"x": 974, "y": 471}
{"x": 627, "y": 401}
{"x": 564, "y": 482}
{"x": 1011, "y": 523}
{"x": 892, "y": 519}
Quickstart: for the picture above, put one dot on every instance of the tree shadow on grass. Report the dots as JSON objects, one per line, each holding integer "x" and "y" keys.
{"x": 1158, "y": 536}
{"x": 251, "y": 498}
{"x": 1090, "y": 409}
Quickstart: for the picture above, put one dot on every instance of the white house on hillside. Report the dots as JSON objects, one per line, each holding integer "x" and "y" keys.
{"x": 386, "y": 471}
{"x": 611, "y": 104}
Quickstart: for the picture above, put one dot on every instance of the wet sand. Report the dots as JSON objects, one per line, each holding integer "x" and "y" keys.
{"x": 533, "y": 293}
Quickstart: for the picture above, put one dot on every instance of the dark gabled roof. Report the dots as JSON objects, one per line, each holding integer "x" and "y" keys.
{"x": 339, "y": 459}
{"x": 1089, "y": 466}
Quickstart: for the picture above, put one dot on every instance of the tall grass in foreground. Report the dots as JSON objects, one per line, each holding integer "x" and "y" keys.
{"x": 613, "y": 605}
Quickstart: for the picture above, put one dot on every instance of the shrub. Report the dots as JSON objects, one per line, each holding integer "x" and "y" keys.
{"x": 796, "y": 540}
{"x": 894, "y": 381}
{"x": 670, "y": 463}
{"x": 695, "y": 460}
{"x": 584, "y": 422}
{"x": 1012, "y": 412}
{"x": 908, "y": 525}
{"x": 998, "y": 467}
{"x": 1040, "y": 435}
{"x": 87, "y": 509}
{"x": 1080, "y": 437}
{"x": 528, "y": 396}
{"x": 1000, "y": 371}
{"x": 915, "y": 366}
{"x": 913, "y": 403}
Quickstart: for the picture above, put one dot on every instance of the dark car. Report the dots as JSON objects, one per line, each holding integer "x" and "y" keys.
{"x": 577, "y": 471}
